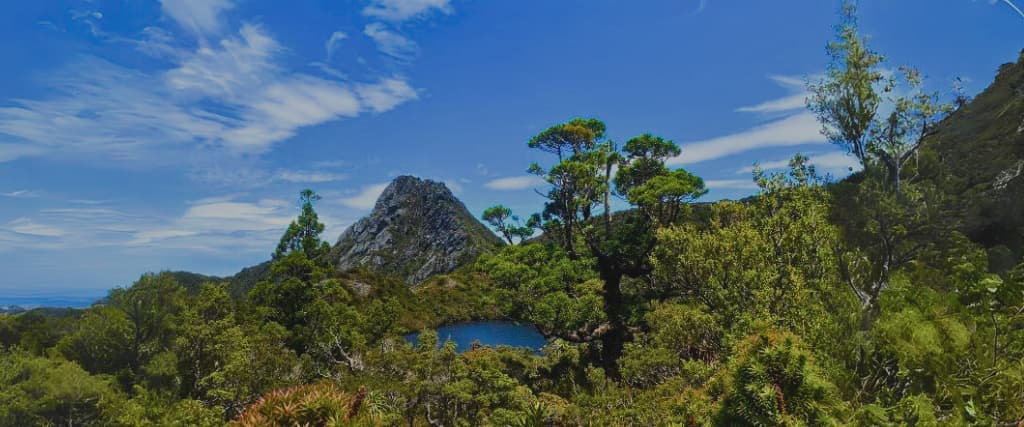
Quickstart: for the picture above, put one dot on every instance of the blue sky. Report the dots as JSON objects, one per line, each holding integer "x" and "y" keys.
{"x": 145, "y": 135}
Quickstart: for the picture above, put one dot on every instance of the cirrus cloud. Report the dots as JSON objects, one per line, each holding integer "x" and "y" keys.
{"x": 390, "y": 42}
{"x": 401, "y": 10}
{"x": 198, "y": 16}
{"x": 366, "y": 198}
{"x": 234, "y": 97}
{"x": 514, "y": 182}
{"x": 794, "y": 130}
{"x": 32, "y": 228}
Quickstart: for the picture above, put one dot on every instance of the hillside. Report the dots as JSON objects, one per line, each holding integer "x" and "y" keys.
{"x": 976, "y": 157}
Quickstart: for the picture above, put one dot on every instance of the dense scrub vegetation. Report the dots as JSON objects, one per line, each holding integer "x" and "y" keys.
{"x": 814, "y": 302}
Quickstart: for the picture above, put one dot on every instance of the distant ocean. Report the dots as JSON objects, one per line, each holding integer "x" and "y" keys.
{"x": 73, "y": 299}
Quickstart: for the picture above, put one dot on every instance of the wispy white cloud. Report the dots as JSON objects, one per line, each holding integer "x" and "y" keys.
{"x": 730, "y": 184}
{"x": 87, "y": 201}
{"x": 285, "y": 106}
{"x": 794, "y": 130}
{"x": 796, "y": 83}
{"x": 1012, "y": 5}
{"x": 225, "y": 224}
{"x": 366, "y": 198}
{"x": 797, "y": 126}
{"x": 332, "y": 43}
{"x": 330, "y": 163}
{"x": 401, "y": 10}
{"x": 788, "y": 103}
{"x": 229, "y": 69}
{"x": 701, "y": 5}
{"x": 18, "y": 194}
{"x": 836, "y": 162}
{"x": 234, "y": 96}
{"x": 198, "y": 16}
{"x": 514, "y": 183}
{"x": 300, "y": 176}
{"x": 223, "y": 218}
{"x": 90, "y": 18}
{"x": 32, "y": 228}
{"x": 390, "y": 42}
{"x": 455, "y": 185}
{"x": 10, "y": 152}
{"x": 108, "y": 110}
{"x": 385, "y": 94}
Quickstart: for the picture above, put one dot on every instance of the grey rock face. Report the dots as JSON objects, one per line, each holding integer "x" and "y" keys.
{"x": 417, "y": 229}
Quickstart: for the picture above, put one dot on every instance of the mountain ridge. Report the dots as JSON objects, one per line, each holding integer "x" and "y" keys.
{"x": 416, "y": 229}
{"x": 976, "y": 157}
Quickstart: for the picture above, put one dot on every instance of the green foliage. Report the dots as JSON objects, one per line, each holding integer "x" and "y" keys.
{"x": 152, "y": 306}
{"x": 771, "y": 259}
{"x": 38, "y": 391}
{"x": 810, "y": 303}
{"x": 223, "y": 363}
{"x": 101, "y": 341}
{"x": 548, "y": 288}
{"x": 664, "y": 196}
{"x": 34, "y": 330}
{"x": 897, "y": 139}
{"x": 578, "y": 207}
{"x": 147, "y": 408}
{"x": 847, "y": 99}
{"x": 303, "y": 234}
{"x": 644, "y": 155}
{"x": 689, "y": 331}
{"x": 772, "y": 381}
{"x": 509, "y": 226}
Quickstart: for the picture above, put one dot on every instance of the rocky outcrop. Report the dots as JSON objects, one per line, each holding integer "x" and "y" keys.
{"x": 416, "y": 229}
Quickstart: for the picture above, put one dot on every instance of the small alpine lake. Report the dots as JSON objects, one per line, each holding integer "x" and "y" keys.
{"x": 489, "y": 333}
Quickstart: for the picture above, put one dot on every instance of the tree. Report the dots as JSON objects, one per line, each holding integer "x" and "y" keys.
{"x": 897, "y": 139}
{"x": 297, "y": 274}
{"x": 561, "y": 296}
{"x": 101, "y": 342}
{"x": 500, "y": 218}
{"x": 847, "y": 100}
{"x": 769, "y": 259}
{"x": 579, "y": 207}
{"x": 889, "y": 222}
{"x": 47, "y": 391}
{"x": 303, "y": 234}
{"x": 224, "y": 363}
{"x": 153, "y": 306}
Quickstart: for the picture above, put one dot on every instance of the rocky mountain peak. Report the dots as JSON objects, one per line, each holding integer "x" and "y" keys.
{"x": 417, "y": 229}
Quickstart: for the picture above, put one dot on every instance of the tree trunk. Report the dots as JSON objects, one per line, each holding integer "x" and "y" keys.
{"x": 607, "y": 202}
{"x": 612, "y": 341}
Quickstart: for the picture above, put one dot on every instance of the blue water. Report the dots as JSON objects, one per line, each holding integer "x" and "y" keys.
{"x": 28, "y": 302}
{"x": 489, "y": 333}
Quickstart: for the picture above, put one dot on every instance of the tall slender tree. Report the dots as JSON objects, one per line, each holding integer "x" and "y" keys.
{"x": 303, "y": 234}
{"x": 882, "y": 120}
{"x": 847, "y": 99}
{"x": 579, "y": 210}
